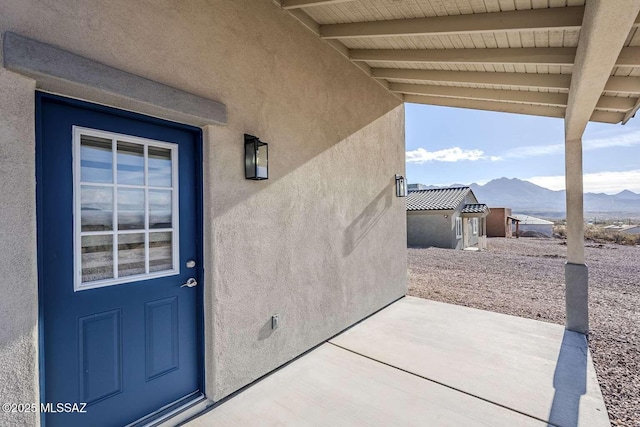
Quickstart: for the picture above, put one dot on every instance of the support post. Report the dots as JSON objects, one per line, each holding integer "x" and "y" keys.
{"x": 576, "y": 271}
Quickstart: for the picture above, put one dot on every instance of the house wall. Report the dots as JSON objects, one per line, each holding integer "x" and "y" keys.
{"x": 497, "y": 223}
{"x": 321, "y": 243}
{"x": 18, "y": 260}
{"x": 431, "y": 229}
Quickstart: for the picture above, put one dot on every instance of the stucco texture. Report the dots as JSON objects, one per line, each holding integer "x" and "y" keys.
{"x": 432, "y": 229}
{"x": 322, "y": 242}
{"x": 18, "y": 261}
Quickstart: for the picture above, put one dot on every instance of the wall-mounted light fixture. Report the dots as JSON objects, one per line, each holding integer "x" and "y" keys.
{"x": 401, "y": 186}
{"x": 256, "y": 158}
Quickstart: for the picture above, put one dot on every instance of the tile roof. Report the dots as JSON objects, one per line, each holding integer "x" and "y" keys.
{"x": 436, "y": 199}
{"x": 475, "y": 208}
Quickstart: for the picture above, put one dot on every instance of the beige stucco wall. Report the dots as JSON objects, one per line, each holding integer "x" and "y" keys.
{"x": 432, "y": 229}
{"x": 18, "y": 260}
{"x": 321, "y": 243}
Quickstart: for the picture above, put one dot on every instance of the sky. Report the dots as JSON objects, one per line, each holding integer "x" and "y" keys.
{"x": 459, "y": 146}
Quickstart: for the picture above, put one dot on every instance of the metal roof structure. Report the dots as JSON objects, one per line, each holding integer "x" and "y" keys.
{"x": 437, "y": 199}
{"x": 499, "y": 55}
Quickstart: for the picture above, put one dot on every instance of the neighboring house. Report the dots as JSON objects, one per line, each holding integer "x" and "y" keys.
{"x": 446, "y": 218}
{"x": 499, "y": 222}
{"x": 623, "y": 229}
{"x": 531, "y": 223}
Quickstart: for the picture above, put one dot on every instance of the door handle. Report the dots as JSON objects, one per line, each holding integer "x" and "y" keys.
{"x": 190, "y": 283}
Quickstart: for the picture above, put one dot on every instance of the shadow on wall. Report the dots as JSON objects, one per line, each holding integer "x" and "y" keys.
{"x": 360, "y": 227}
{"x": 294, "y": 147}
{"x": 569, "y": 380}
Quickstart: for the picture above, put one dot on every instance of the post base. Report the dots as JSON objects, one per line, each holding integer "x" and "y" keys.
{"x": 576, "y": 277}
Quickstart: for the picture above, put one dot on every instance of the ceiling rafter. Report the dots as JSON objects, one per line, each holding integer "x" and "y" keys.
{"x": 541, "y": 93}
{"x": 533, "y": 19}
{"x": 549, "y": 81}
{"x": 509, "y": 107}
{"x": 629, "y": 85}
{"x": 524, "y": 55}
{"x": 299, "y": 4}
{"x": 499, "y": 95}
{"x": 629, "y": 56}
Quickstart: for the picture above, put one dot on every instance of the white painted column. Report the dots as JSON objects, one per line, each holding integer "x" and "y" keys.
{"x": 576, "y": 272}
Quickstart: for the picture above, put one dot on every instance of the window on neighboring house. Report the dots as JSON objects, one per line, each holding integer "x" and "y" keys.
{"x": 474, "y": 225}
{"x": 458, "y": 228}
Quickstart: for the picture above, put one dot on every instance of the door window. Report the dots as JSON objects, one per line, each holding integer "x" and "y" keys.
{"x": 125, "y": 213}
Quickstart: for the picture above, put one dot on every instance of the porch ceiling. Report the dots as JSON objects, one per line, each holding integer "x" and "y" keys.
{"x": 501, "y": 55}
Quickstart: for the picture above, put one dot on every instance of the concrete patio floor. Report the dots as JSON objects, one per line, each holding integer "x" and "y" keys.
{"x": 420, "y": 362}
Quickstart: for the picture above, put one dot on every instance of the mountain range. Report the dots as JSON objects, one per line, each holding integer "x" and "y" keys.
{"x": 527, "y": 198}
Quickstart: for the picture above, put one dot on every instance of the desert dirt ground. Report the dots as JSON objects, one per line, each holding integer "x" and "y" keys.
{"x": 525, "y": 277}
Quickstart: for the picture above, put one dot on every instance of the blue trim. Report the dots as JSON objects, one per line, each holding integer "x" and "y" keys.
{"x": 199, "y": 172}
{"x": 199, "y": 179}
{"x": 39, "y": 237}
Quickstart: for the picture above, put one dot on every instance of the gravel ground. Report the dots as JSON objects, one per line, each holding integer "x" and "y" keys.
{"x": 525, "y": 277}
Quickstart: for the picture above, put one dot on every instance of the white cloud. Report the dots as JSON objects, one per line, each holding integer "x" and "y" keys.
{"x": 600, "y": 182}
{"x": 534, "y": 151}
{"x": 454, "y": 154}
{"x": 622, "y": 140}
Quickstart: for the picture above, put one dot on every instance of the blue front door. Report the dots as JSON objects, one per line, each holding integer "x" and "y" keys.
{"x": 119, "y": 235}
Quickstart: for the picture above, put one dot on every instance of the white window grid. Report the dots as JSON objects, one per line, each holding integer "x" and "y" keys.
{"x": 78, "y": 132}
{"x": 458, "y": 227}
{"x": 474, "y": 225}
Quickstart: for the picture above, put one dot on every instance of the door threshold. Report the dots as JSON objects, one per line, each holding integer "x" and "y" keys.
{"x": 175, "y": 413}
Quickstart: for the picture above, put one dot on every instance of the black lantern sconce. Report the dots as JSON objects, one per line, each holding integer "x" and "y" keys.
{"x": 401, "y": 186}
{"x": 256, "y": 158}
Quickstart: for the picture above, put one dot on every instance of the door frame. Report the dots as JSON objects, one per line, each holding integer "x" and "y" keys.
{"x": 198, "y": 170}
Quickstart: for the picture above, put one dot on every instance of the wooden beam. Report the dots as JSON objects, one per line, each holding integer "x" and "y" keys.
{"x": 605, "y": 28}
{"x": 631, "y": 113}
{"x": 563, "y": 18}
{"x": 550, "y": 81}
{"x": 509, "y": 107}
{"x": 554, "y": 99}
{"x": 297, "y": 4}
{"x": 527, "y": 55}
{"x": 499, "y": 95}
{"x": 629, "y": 56}
{"x": 620, "y": 84}
{"x": 504, "y": 107}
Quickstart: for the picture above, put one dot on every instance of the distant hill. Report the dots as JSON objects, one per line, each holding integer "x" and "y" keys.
{"x": 628, "y": 195}
{"x": 528, "y": 198}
